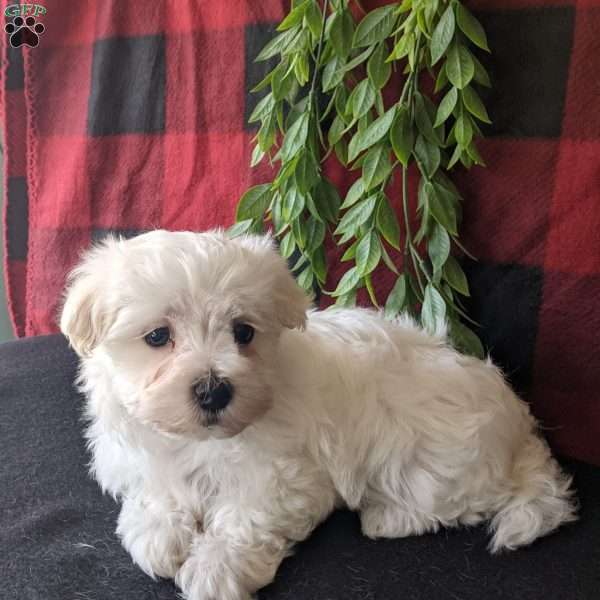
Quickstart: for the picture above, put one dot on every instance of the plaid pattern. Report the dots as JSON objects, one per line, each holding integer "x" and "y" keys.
{"x": 130, "y": 116}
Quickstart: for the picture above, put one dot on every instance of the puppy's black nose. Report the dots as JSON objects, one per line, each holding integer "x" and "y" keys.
{"x": 213, "y": 394}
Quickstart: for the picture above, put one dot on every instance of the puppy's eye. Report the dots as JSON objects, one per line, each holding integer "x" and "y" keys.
{"x": 243, "y": 333}
{"x": 158, "y": 337}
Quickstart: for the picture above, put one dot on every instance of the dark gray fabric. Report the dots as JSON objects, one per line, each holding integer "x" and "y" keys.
{"x": 134, "y": 100}
{"x": 17, "y": 214}
{"x": 57, "y": 537}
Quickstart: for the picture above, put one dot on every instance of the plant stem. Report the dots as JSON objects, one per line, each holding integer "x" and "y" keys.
{"x": 409, "y": 248}
{"x": 313, "y": 83}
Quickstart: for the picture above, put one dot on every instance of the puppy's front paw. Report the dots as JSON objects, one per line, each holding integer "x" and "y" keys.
{"x": 206, "y": 575}
{"x": 157, "y": 544}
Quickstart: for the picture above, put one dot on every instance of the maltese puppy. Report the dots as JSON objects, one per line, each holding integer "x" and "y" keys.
{"x": 229, "y": 421}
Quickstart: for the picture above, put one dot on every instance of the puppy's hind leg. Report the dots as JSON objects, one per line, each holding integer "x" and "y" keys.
{"x": 399, "y": 505}
{"x": 388, "y": 519}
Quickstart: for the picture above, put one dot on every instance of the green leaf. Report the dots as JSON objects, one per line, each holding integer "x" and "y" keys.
{"x": 403, "y": 48}
{"x": 357, "y": 189}
{"x": 388, "y": 261}
{"x": 362, "y": 98}
{"x": 305, "y": 279}
{"x": 300, "y": 262}
{"x": 298, "y": 44}
{"x": 263, "y": 83}
{"x": 465, "y": 159}
{"x": 240, "y": 228}
{"x": 397, "y": 298}
{"x": 318, "y": 262}
{"x": 293, "y": 204}
{"x": 312, "y": 207}
{"x": 307, "y": 173}
{"x": 357, "y": 215}
{"x": 350, "y": 252}
{"x": 295, "y": 138}
{"x": 441, "y": 209}
{"x": 341, "y": 99}
{"x": 340, "y": 33}
{"x": 438, "y": 247}
{"x": 282, "y": 81}
{"x": 455, "y": 156}
{"x": 285, "y": 172}
{"x": 442, "y": 35}
{"x": 296, "y": 112}
{"x": 428, "y": 156}
{"x": 346, "y": 300}
{"x": 459, "y": 66}
{"x": 369, "y": 285}
{"x": 347, "y": 283}
{"x": 387, "y": 223}
{"x": 433, "y": 311}
{"x": 313, "y": 19}
{"x": 378, "y": 70}
{"x": 376, "y": 26}
{"x": 446, "y": 106}
{"x": 265, "y": 106}
{"x": 294, "y": 16}
{"x": 474, "y": 104}
{"x": 279, "y": 225}
{"x": 254, "y": 202}
{"x": 463, "y": 130}
{"x": 300, "y": 236}
{"x": 266, "y": 133}
{"x": 368, "y": 254}
{"x": 301, "y": 69}
{"x": 446, "y": 183}
{"x": 441, "y": 79}
{"x": 336, "y": 131}
{"x": 257, "y": 156}
{"x": 327, "y": 200}
{"x": 315, "y": 234}
{"x": 379, "y": 106}
{"x": 357, "y": 60}
{"x": 402, "y": 136}
{"x": 376, "y": 166}
{"x": 424, "y": 117}
{"x": 372, "y": 134}
{"x": 481, "y": 75}
{"x": 278, "y": 44}
{"x": 333, "y": 73}
{"x": 287, "y": 245}
{"x": 471, "y": 27}
{"x": 465, "y": 340}
{"x": 474, "y": 154}
{"x": 456, "y": 277}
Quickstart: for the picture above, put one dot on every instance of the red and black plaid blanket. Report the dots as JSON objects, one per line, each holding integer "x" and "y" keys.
{"x": 133, "y": 115}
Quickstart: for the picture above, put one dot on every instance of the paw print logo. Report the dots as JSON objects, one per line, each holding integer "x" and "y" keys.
{"x": 24, "y": 31}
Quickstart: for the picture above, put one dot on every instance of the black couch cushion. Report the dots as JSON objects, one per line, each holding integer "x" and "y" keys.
{"x": 57, "y": 537}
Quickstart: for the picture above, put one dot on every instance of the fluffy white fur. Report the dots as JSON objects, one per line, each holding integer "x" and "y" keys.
{"x": 330, "y": 408}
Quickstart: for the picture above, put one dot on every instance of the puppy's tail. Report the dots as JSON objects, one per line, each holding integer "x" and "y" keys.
{"x": 540, "y": 499}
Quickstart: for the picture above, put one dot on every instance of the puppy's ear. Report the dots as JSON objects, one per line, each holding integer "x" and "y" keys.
{"x": 84, "y": 318}
{"x": 290, "y": 301}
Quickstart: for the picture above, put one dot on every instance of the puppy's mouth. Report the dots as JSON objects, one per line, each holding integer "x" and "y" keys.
{"x": 211, "y": 418}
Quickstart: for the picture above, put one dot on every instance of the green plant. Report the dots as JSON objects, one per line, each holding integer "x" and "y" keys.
{"x": 325, "y": 95}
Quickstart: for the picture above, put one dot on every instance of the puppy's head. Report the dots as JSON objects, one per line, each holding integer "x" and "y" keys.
{"x": 185, "y": 326}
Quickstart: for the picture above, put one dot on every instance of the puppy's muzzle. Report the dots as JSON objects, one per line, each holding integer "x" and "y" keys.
{"x": 213, "y": 393}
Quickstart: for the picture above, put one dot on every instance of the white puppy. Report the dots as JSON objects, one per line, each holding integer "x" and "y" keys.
{"x": 230, "y": 422}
